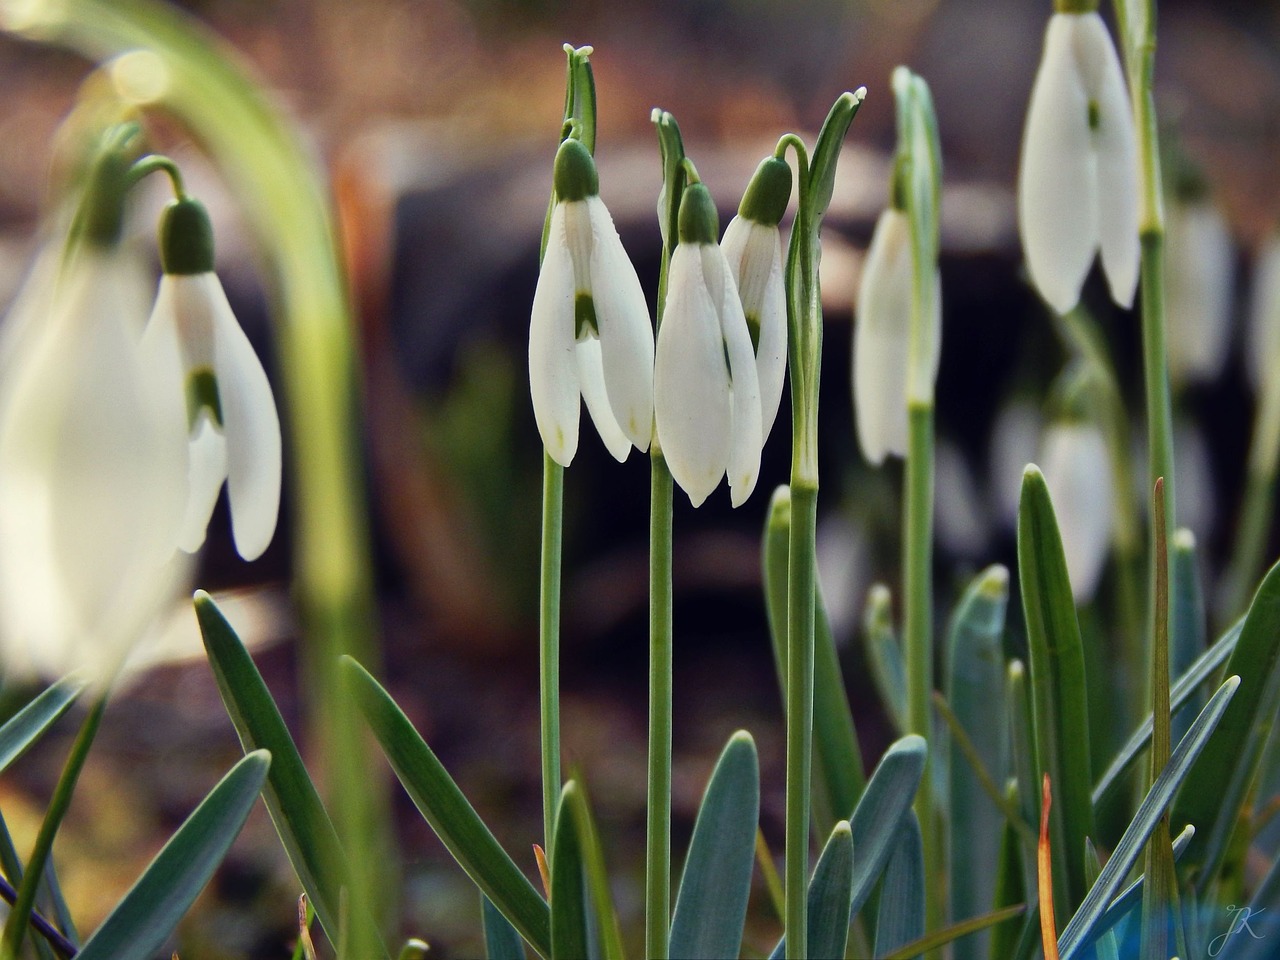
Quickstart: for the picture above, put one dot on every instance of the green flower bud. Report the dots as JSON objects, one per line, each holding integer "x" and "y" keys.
{"x": 699, "y": 222}
{"x": 186, "y": 238}
{"x": 575, "y": 174}
{"x": 768, "y": 193}
{"x": 102, "y": 210}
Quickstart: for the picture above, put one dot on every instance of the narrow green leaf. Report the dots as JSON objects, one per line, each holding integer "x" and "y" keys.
{"x": 568, "y": 884}
{"x": 1187, "y": 623}
{"x": 838, "y": 768}
{"x": 1022, "y": 748}
{"x": 940, "y": 938}
{"x": 1183, "y": 693}
{"x": 1058, "y": 694}
{"x": 1105, "y": 945}
{"x": 1011, "y": 885}
{"x": 975, "y": 682}
{"x": 881, "y": 811}
{"x": 885, "y": 655}
{"x": 501, "y": 941}
{"x": 604, "y": 912}
{"x": 830, "y": 893}
{"x": 141, "y": 922}
{"x": 301, "y": 821}
{"x": 1263, "y": 917}
{"x": 1219, "y": 781}
{"x": 1084, "y": 925}
{"x": 1129, "y": 899}
{"x": 449, "y": 813}
{"x": 711, "y": 906}
{"x": 29, "y": 724}
{"x": 901, "y": 918}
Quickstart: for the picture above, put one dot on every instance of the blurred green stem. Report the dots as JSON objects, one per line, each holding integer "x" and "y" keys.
{"x": 15, "y": 927}
{"x": 658, "y": 849}
{"x": 1258, "y": 510}
{"x": 280, "y": 191}
{"x": 549, "y": 640}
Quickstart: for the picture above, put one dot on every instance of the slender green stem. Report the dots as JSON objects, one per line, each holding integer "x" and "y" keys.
{"x": 658, "y": 848}
{"x": 15, "y": 927}
{"x": 1156, "y": 369}
{"x": 800, "y": 626}
{"x": 549, "y": 640}
{"x": 917, "y": 578}
{"x": 1258, "y": 510}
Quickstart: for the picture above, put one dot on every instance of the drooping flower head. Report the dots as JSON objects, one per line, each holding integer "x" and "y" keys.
{"x": 706, "y": 389}
{"x": 233, "y": 428}
{"x": 752, "y": 244}
{"x": 1078, "y": 186}
{"x": 92, "y": 458}
{"x": 590, "y": 336}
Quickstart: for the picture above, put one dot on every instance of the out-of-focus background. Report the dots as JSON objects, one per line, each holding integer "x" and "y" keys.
{"x": 437, "y": 120}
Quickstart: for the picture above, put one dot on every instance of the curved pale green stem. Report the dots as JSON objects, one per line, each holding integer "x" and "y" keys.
{"x": 273, "y": 176}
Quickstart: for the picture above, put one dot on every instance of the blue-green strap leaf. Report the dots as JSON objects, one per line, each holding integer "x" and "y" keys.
{"x": 301, "y": 821}
{"x": 830, "y": 895}
{"x": 501, "y": 941}
{"x": 1084, "y": 925}
{"x": 901, "y": 917}
{"x": 568, "y": 884}
{"x": 881, "y": 811}
{"x": 29, "y": 724}
{"x": 141, "y": 922}
{"x": 711, "y": 906}
{"x": 450, "y": 815}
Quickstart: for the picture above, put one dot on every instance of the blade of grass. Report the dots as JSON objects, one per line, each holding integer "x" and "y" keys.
{"x": 940, "y": 938}
{"x": 568, "y": 885}
{"x": 449, "y": 813}
{"x": 501, "y": 941}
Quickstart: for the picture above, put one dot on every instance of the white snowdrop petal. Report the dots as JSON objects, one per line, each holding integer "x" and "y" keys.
{"x": 553, "y": 377}
{"x": 743, "y": 465}
{"x": 626, "y": 332}
{"x": 591, "y": 379}
{"x": 1198, "y": 291}
{"x": 1263, "y": 348}
{"x": 754, "y": 252}
{"x": 1117, "y": 157}
{"x": 881, "y": 343}
{"x": 251, "y": 426}
{"x": 691, "y": 380}
{"x": 1077, "y": 471}
{"x": 206, "y": 472}
{"x": 1057, "y": 182}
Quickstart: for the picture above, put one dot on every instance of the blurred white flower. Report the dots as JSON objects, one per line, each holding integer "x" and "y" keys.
{"x": 1199, "y": 271}
{"x": 882, "y": 339}
{"x": 1077, "y": 471}
{"x": 706, "y": 388}
{"x": 752, "y": 244}
{"x": 589, "y": 333}
{"x": 1263, "y": 353}
{"x": 1078, "y": 186}
{"x": 93, "y": 472}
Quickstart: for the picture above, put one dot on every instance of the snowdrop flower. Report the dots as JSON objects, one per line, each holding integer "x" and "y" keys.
{"x": 92, "y": 477}
{"x": 752, "y": 244}
{"x": 706, "y": 389}
{"x": 1263, "y": 353}
{"x": 1078, "y": 188}
{"x": 233, "y": 431}
{"x": 882, "y": 338}
{"x": 1198, "y": 294}
{"x": 589, "y": 333}
{"x": 1077, "y": 471}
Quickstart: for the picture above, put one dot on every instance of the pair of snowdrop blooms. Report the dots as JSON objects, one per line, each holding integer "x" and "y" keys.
{"x": 115, "y": 440}
{"x": 714, "y": 383}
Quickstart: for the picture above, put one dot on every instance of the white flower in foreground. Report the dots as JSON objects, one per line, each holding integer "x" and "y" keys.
{"x": 752, "y": 244}
{"x": 1077, "y": 471}
{"x": 1263, "y": 353}
{"x": 92, "y": 479}
{"x": 706, "y": 389}
{"x": 1078, "y": 187}
{"x": 589, "y": 333}
{"x": 1198, "y": 293}
{"x": 233, "y": 426}
{"x": 882, "y": 339}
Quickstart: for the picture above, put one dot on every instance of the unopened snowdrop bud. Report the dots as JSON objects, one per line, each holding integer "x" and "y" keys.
{"x": 1198, "y": 295}
{"x": 589, "y": 333}
{"x": 1077, "y": 470}
{"x": 233, "y": 429}
{"x": 1078, "y": 186}
{"x": 753, "y": 246}
{"x": 706, "y": 388}
{"x": 882, "y": 339}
